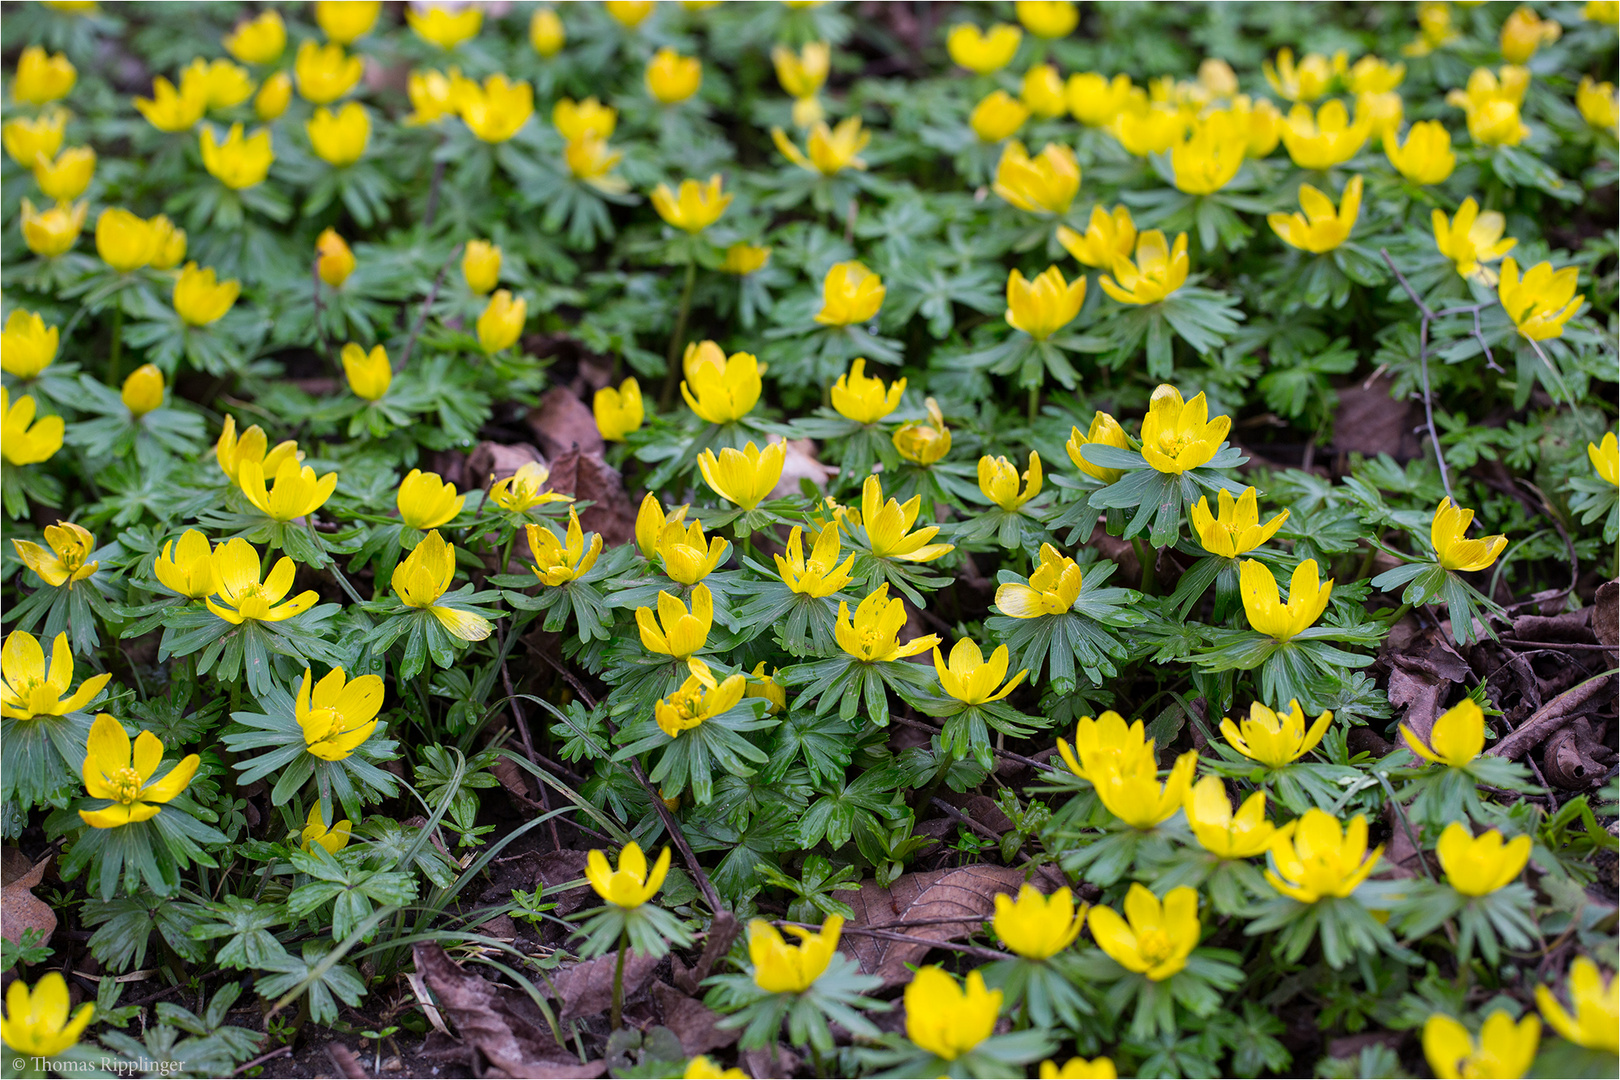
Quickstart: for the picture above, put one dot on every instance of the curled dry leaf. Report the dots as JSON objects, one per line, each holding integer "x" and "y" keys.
{"x": 909, "y": 906}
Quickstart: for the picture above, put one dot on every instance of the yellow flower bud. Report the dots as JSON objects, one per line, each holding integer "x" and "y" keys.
{"x": 27, "y": 346}
{"x": 124, "y": 241}
{"x": 1042, "y": 307}
{"x": 41, "y": 77}
{"x": 334, "y": 262}
{"x": 143, "y": 390}
{"x": 199, "y": 299}
{"x": 238, "y": 162}
{"x": 618, "y": 411}
{"x": 442, "y": 27}
{"x": 369, "y": 374}
{"x": 501, "y": 324}
{"x": 481, "y": 266}
{"x": 743, "y": 258}
{"x": 343, "y": 21}
{"x": 850, "y": 293}
{"x": 983, "y": 52}
{"x": 325, "y": 72}
{"x": 273, "y": 97}
{"x": 546, "y": 33}
{"x": 695, "y": 207}
{"x": 54, "y": 230}
{"x": 997, "y": 116}
{"x": 340, "y": 138}
{"x": 671, "y": 77}
{"x": 258, "y": 41}
{"x": 66, "y": 178}
{"x": 27, "y": 139}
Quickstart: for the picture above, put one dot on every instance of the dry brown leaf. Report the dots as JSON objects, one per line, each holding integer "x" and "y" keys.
{"x": 563, "y": 423}
{"x": 694, "y": 1023}
{"x": 1606, "y": 613}
{"x": 20, "y": 909}
{"x": 586, "y": 988}
{"x": 968, "y": 892}
{"x": 587, "y": 477}
{"x": 496, "y": 461}
{"x": 557, "y": 868}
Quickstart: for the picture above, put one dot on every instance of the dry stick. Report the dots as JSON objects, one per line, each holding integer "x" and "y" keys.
{"x": 280, "y": 1051}
{"x": 421, "y": 319}
{"x": 528, "y": 746}
{"x": 1423, "y": 364}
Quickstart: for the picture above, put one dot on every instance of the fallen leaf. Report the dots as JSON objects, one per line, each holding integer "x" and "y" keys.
{"x": 1421, "y": 680}
{"x": 1368, "y": 422}
{"x": 491, "y": 461}
{"x": 563, "y": 423}
{"x": 586, "y": 988}
{"x": 586, "y": 476}
{"x": 20, "y": 909}
{"x": 799, "y": 463}
{"x": 558, "y": 868}
{"x": 968, "y": 892}
{"x": 694, "y": 1023}
{"x": 1606, "y": 613}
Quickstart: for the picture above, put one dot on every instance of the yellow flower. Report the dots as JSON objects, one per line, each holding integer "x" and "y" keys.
{"x": 1605, "y": 458}
{"x": 630, "y": 885}
{"x": 1209, "y": 158}
{"x": 1492, "y": 102}
{"x": 1043, "y": 92}
{"x": 200, "y": 299}
{"x": 703, "y": 354}
{"x": 743, "y": 477}
{"x": 687, "y": 557}
{"x": 672, "y": 78}
{"x": 1426, "y": 157}
{"x": 1505, "y": 1048}
{"x": 70, "y": 549}
{"x": 188, "y": 569}
{"x": 238, "y": 162}
{"x": 1053, "y": 587}
{"x": 861, "y": 398}
{"x": 1259, "y": 122}
{"x": 142, "y": 390}
{"x": 1045, "y": 184}
{"x": 334, "y": 262}
{"x": 337, "y": 714}
{"x": 116, "y": 771}
{"x": 1523, "y": 33}
{"x": 1434, "y": 28}
{"x": 946, "y": 1020}
{"x": 369, "y": 374}
{"x": 1307, "y": 599}
{"x": 173, "y": 110}
{"x": 231, "y": 452}
{"x": 1307, "y": 80}
{"x": 1035, "y": 926}
{"x": 28, "y": 139}
{"x": 1157, "y": 272}
{"x": 1104, "y": 431}
{"x": 724, "y": 395}
{"x": 340, "y": 138}
{"x": 22, "y": 441}
{"x": 1456, "y": 738}
{"x": 434, "y": 95}
{"x": 273, "y": 97}
{"x": 744, "y": 258}
{"x": 522, "y": 490}
{"x": 677, "y": 631}
{"x": 546, "y": 33}
{"x": 481, "y": 266}
{"x": 1096, "y": 100}
{"x": 998, "y": 480}
{"x": 923, "y": 442}
{"x": 66, "y": 178}
{"x": 1596, "y": 1023}
{"x": 1372, "y": 75}
{"x": 168, "y": 243}
{"x": 424, "y": 576}
{"x": 124, "y": 241}
{"x": 850, "y": 293}
{"x": 446, "y": 29}
{"x": 701, "y": 1068}
{"x": 1178, "y": 435}
{"x": 41, "y": 77}
{"x": 698, "y": 699}
{"x": 888, "y": 527}
{"x": 1157, "y": 938}
{"x": 1542, "y": 301}
{"x": 325, "y": 72}
{"x": 802, "y": 74}
{"x": 982, "y": 52}
{"x": 1315, "y": 859}
{"x": 1319, "y": 228}
{"x": 1452, "y": 549}
{"x": 31, "y": 689}
{"x": 1596, "y": 100}
{"x": 1131, "y": 790}
{"x": 27, "y": 346}
{"x": 1326, "y": 139}
{"x": 345, "y": 21}
{"x": 1382, "y": 112}
{"x": 296, "y": 491}
{"x": 1144, "y": 129}
{"x": 1101, "y": 745}
{"x": 1478, "y": 866}
{"x": 501, "y": 323}
{"x": 1042, "y": 307}
{"x": 557, "y": 562}
{"x": 780, "y": 968}
{"x": 1048, "y": 18}
{"x": 618, "y": 411}
{"x": 1229, "y": 836}
{"x": 497, "y": 110}
{"x": 827, "y": 150}
{"x": 223, "y": 84}
{"x": 258, "y": 41}
{"x": 36, "y": 1022}
{"x": 426, "y": 501}
{"x": 1276, "y": 738}
{"x": 695, "y": 208}
{"x": 821, "y": 574}
{"x": 1078, "y": 1068}
{"x": 970, "y": 678}
{"x": 629, "y": 13}
{"x": 315, "y": 832}
{"x": 53, "y": 231}
{"x": 872, "y": 634}
{"x": 1606, "y": 12}
{"x": 1107, "y": 236}
{"x": 1237, "y": 531}
{"x": 577, "y": 119}
{"x": 997, "y": 116}
{"x": 1471, "y": 240}
{"x": 761, "y": 685}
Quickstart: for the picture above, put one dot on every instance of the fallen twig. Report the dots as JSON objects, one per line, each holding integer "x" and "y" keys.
{"x": 1549, "y": 717}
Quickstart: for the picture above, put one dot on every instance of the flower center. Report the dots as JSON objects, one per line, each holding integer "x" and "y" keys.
{"x": 251, "y": 603}
{"x": 324, "y": 724}
{"x": 1155, "y": 945}
{"x": 126, "y": 782}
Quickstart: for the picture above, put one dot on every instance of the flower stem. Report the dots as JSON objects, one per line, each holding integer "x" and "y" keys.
{"x": 1034, "y": 405}
{"x": 1149, "y": 558}
{"x": 1397, "y": 615}
{"x": 115, "y": 355}
{"x": 677, "y": 338}
{"x": 616, "y": 1016}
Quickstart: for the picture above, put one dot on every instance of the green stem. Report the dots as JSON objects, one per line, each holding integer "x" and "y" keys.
{"x": 1149, "y": 558}
{"x": 678, "y": 338}
{"x": 115, "y": 355}
{"x": 1034, "y": 405}
{"x": 1397, "y": 615}
{"x": 616, "y": 1017}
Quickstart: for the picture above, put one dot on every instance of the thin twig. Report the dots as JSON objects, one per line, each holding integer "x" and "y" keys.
{"x": 1423, "y": 364}
{"x": 280, "y": 1051}
{"x": 427, "y": 304}
{"x": 433, "y": 195}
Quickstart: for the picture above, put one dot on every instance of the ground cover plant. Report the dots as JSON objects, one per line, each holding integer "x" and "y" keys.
{"x": 809, "y": 539}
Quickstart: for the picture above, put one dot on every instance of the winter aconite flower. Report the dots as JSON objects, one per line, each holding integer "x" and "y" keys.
{"x": 694, "y": 207}
{"x": 1426, "y": 157}
{"x": 200, "y": 298}
{"x": 143, "y": 390}
{"x": 862, "y": 398}
{"x": 1236, "y": 530}
{"x": 781, "y": 968}
{"x": 1209, "y": 158}
{"x": 1044, "y": 184}
{"x": 32, "y": 689}
{"x": 1153, "y": 939}
{"x": 700, "y": 698}
{"x": 765, "y": 687}
{"x": 1045, "y": 305}
{"x": 1178, "y": 435}
{"x": 676, "y": 630}
{"x": 273, "y": 97}
{"x": 1326, "y": 138}
{"x": 1452, "y": 548}
{"x": 1306, "y": 80}
{"x": 1104, "y": 431}
{"x": 1605, "y": 458}
{"x": 983, "y": 52}
{"x": 997, "y": 115}
{"x": 1491, "y": 101}
{"x": 1315, "y": 859}
{"x": 547, "y": 35}
{"x": 1132, "y": 792}
{"x": 672, "y": 78}
{"x": 232, "y": 452}
{"x": 1456, "y": 738}
{"x": 125, "y": 241}
{"x": 557, "y": 562}
{"x": 1596, "y": 1023}
{"x": 999, "y": 481}
{"x": 22, "y": 440}
{"x": 28, "y": 138}
{"x": 971, "y": 678}
{"x": 1158, "y": 271}
{"x": 337, "y": 713}
{"x": 1595, "y": 100}
{"x": 1307, "y": 599}
{"x": 1035, "y": 926}
{"x": 1480, "y": 865}
{"x": 743, "y": 259}
{"x": 1078, "y": 1068}
{"x": 1321, "y": 227}
{"x": 1275, "y": 739}
{"x": 334, "y": 262}
{"x": 294, "y": 490}
{"x": 36, "y": 1022}
{"x": 187, "y": 568}
{"x": 501, "y": 323}
{"x": 948, "y": 1020}
{"x": 1505, "y": 1048}
{"x": 424, "y": 576}
{"x": 1048, "y": 18}
{"x": 496, "y": 110}
{"x": 1523, "y": 33}
{"x": 821, "y": 574}
{"x": 243, "y": 598}
{"x": 258, "y": 41}
{"x": 872, "y": 634}
{"x": 240, "y": 161}
{"x": 1103, "y": 744}
{"x": 315, "y": 832}
{"x": 68, "y": 559}
{"x": 54, "y": 230}
{"x": 618, "y": 410}
{"x": 1222, "y": 833}
{"x": 525, "y": 489}
{"x": 170, "y": 109}
{"x": 27, "y": 345}
{"x": 688, "y": 557}
{"x": 850, "y": 293}
{"x": 426, "y": 501}
{"x": 42, "y": 77}
{"x": 631, "y": 885}
{"x": 481, "y": 266}
{"x": 889, "y": 530}
{"x": 325, "y": 72}
{"x": 826, "y": 150}
{"x": 340, "y": 138}
{"x": 444, "y": 27}
{"x": 66, "y": 178}
{"x": 116, "y": 771}
{"x": 924, "y": 442}
{"x": 1542, "y": 301}
{"x": 1096, "y": 99}
{"x": 702, "y": 1068}
{"x": 1108, "y": 235}
{"x": 743, "y": 477}
{"x": 724, "y": 393}
{"x": 345, "y": 21}
{"x": 369, "y": 374}
{"x": 577, "y": 119}
{"x": 1472, "y": 239}
{"x": 1054, "y": 586}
